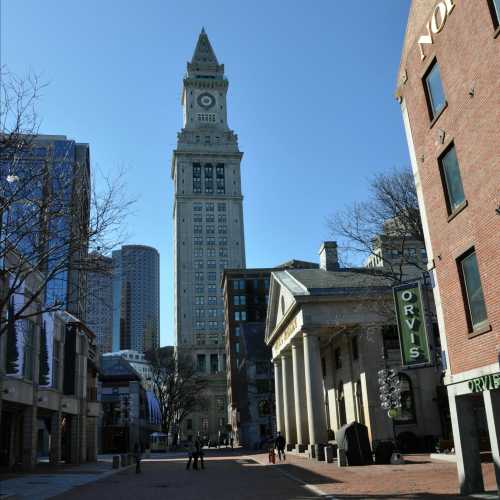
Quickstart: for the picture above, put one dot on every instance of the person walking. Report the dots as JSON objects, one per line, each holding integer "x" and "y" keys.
{"x": 137, "y": 457}
{"x": 193, "y": 456}
{"x": 199, "y": 453}
{"x": 280, "y": 444}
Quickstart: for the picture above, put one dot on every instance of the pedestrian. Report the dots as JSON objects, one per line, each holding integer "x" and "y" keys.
{"x": 232, "y": 442}
{"x": 199, "y": 453}
{"x": 280, "y": 444}
{"x": 137, "y": 456}
{"x": 193, "y": 456}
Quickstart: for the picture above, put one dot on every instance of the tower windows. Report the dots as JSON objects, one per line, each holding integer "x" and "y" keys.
{"x": 221, "y": 207}
{"x": 220, "y": 178}
{"x": 436, "y": 100}
{"x": 452, "y": 181}
{"x": 196, "y": 178}
{"x": 210, "y": 229}
{"x": 209, "y": 179}
{"x": 206, "y": 117}
{"x": 209, "y": 207}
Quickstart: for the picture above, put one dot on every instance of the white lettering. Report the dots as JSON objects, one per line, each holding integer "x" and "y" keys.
{"x": 413, "y": 338}
{"x": 410, "y": 322}
{"x": 408, "y": 310}
{"x": 414, "y": 353}
{"x": 407, "y": 295}
{"x": 441, "y": 9}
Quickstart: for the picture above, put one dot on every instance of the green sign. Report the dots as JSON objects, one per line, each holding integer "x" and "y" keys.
{"x": 412, "y": 329}
{"x": 485, "y": 383}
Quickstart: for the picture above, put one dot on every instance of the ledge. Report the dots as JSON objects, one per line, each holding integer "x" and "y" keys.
{"x": 436, "y": 118}
{"x": 457, "y": 210}
{"x": 480, "y": 330}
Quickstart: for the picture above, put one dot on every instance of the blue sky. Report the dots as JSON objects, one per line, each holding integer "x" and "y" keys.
{"x": 310, "y": 97}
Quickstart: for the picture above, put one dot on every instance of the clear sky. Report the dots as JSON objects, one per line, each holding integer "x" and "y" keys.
{"x": 311, "y": 88}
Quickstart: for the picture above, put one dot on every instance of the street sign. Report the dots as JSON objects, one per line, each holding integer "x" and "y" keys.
{"x": 410, "y": 315}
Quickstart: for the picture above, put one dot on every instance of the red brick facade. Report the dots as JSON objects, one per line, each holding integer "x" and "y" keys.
{"x": 467, "y": 49}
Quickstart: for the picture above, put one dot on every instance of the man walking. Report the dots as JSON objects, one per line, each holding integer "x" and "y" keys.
{"x": 199, "y": 452}
{"x": 280, "y": 444}
{"x": 137, "y": 456}
{"x": 193, "y": 455}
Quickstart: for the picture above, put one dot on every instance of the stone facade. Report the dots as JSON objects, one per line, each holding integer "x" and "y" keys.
{"x": 208, "y": 227}
{"x": 458, "y": 113}
{"x": 328, "y": 330}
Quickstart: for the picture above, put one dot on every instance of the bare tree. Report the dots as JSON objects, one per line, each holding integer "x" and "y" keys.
{"x": 177, "y": 386}
{"x": 53, "y": 211}
{"x": 389, "y": 218}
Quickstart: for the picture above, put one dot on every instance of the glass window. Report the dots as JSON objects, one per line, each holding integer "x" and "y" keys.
{"x": 199, "y": 300}
{"x": 209, "y": 207}
{"x": 210, "y": 218}
{"x": 196, "y": 178}
{"x": 406, "y": 413}
{"x": 222, "y": 229}
{"x": 198, "y": 240}
{"x": 237, "y": 347}
{"x": 434, "y": 91}
{"x": 212, "y": 276}
{"x": 237, "y": 331}
{"x": 210, "y": 229}
{"x": 471, "y": 283}
{"x": 223, "y": 240}
{"x": 214, "y": 363}
{"x": 264, "y": 408}
{"x": 212, "y": 300}
{"x": 201, "y": 362}
{"x": 198, "y": 252}
{"x": 223, "y": 252}
{"x": 198, "y": 276}
{"x": 198, "y": 264}
{"x": 197, "y": 207}
{"x": 495, "y": 12}
{"x": 211, "y": 264}
{"x": 210, "y": 241}
{"x": 450, "y": 173}
{"x": 28, "y": 349}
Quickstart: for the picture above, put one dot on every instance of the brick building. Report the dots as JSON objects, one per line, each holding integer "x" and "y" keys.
{"x": 449, "y": 91}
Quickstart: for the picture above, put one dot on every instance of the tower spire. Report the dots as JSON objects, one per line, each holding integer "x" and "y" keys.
{"x": 204, "y": 53}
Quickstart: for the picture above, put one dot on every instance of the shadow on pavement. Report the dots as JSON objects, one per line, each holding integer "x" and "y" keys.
{"x": 410, "y": 496}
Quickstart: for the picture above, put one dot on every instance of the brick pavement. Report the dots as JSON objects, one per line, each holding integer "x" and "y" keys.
{"x": 420, "y": 478}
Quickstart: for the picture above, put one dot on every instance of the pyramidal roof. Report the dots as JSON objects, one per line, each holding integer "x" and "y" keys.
{"x": 204, "y": 62}
{"x": 204, "y": 53}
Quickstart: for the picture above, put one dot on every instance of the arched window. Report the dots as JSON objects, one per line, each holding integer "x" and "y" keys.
{"x": 341, "y": 404}
{"x": 359, "y": 402}
{"x": 407, "y": 413}
{"x": 264, "y": 408}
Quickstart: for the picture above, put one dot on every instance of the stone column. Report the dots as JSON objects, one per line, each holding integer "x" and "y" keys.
{"x": 55, "y": 438}
{"x": 278, "y": 395}
{"x": 466, "y": 440}
{"x": 29, "y": 438}
{"x": 314, "y": 395}
{"x": 299, "y": 389}
{"x": 288, "y": 401}
{"x": 492, "y": 408}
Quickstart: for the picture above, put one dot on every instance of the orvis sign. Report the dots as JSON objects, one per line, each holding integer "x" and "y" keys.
{"x": 485, "y": 383}
{"x": 412, "y": 329}
{"x": 435, "y": 24}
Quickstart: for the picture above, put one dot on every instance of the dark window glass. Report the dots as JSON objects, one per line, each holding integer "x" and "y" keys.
{"x": 196, "y": 179}
{"x": 390, "y": 338}
{"x": 338, "y": 358}
{"x": 495, "y": 12}
{"x": 209, "y": 179}
{"x": 450, "y": 173}
{"x": 214, "y": 363}
{"x": 201, "y": 363}
{"x": 406, "y": 414}
{"x": 220, "y": 178}
{"x": 473, "y": 290}
{"x": 355, "y": 353}
{"x": 434, "y": 91}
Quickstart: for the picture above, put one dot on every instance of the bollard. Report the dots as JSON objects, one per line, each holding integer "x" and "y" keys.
{"x": 116, "y": 461}
{"x": 320, "y": 453}
{"x": 329, "y": 453}
{"x": 341, "y": 458}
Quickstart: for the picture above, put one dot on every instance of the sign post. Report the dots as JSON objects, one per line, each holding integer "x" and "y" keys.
{"x": 412, "y": 328}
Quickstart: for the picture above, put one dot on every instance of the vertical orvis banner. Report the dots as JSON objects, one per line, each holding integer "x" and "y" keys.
{"x": 412, "y": 328}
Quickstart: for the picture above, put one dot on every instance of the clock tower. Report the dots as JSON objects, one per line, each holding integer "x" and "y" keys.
{"x": 208, "y": 229}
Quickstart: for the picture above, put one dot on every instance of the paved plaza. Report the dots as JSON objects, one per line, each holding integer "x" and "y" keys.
{"x": 230, "y": 475}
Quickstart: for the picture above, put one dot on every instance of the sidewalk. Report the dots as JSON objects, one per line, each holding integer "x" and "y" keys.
{"x": 49, "y": 480}
{"x": 419, "y": 478}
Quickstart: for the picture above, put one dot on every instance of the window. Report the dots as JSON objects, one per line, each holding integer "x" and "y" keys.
{"x": 239, "y": 300}
{"x": 198, "y": 276}
{"x": 211, "y": 289}
{"x": 198, "y": 240}
{"x": 28, "y": 349}
{"x": 209, "y": 207}
{"x": 406, "y": 414}
{"x": 200, "y": 325}
{"x": 206, "y": 117}
{"x": 212, "y": 325}
{"x": 223, "y": 252}
{"x": 210, "y": 218}
{"x": 452, "y": 182}
{"x": 212, "y": 313}
{"x": 359, "y": 402}
{"x": 222, "y": 219}
{"x": 210, "y": 241}
{"x": 198, "y": 264}
{"x": 220, "y": 403}
{"x": 197, "y": 228}
{"x": 197, "y": 207}
{"x": 214, "y": 363}
{"x": 211, "y": 264}
{"x": 223, "y": 264}
{"x": 201, "y": 362}
{"x": 212, "y": 276}
{"x": 222, "y": 229}
{"x": 423, "y": 255}
{"x": 212, "y": 300}
{"x": 199, "y": 313}
{"x": 434, "y": 92}
{"x": 221, "y": 207}
{"x": 189, "y": 424}
{"x": 197, "y": 218}
{"x": 240, "y": 316}
{"x": 472, "y": 290}
{"x": 199, "y": 290}
{"x": 198, "y": 252}
{"x": 196, "y": 178}
{"x": 56, "y": 364}
{"x": 323, "y": 367}
{"x": 266, "y": 283}
{"x": 220, "y": 178}
{"x": 264, "y": 408}
{"x": 237, "y": 331}
{"x": 237, "y": 347}
{"x": 354, "y": 345}
{"x": 262, "y": 386}
{"x": 390, "y": 338}
{"x": 210, "y": 229}
{"x": 495, "y": 12}
{"x": 223, "y": 240}
{"x": 204, "y": 425}
{"x": 338, "y": 358}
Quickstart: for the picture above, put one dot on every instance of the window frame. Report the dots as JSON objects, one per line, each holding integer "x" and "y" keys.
{"x": 451, "y": 211}
{"x": 494, "y": 8}
{"x": 484, "y": 325}
{"x": 433, "y": 114}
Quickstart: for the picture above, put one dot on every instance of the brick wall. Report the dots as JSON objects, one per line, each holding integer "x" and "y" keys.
{"x": 468, "y": 52}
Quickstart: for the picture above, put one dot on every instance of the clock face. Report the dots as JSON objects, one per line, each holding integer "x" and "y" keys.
{"x": 206, "y": 100}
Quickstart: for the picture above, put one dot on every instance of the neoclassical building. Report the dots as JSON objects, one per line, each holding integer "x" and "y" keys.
{"x": 330, "y": 331}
